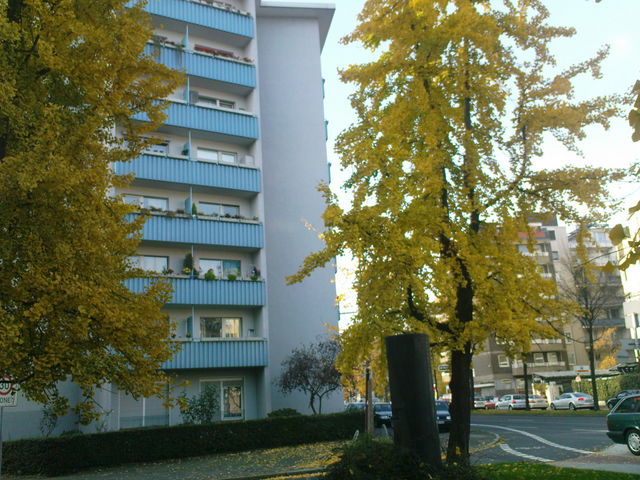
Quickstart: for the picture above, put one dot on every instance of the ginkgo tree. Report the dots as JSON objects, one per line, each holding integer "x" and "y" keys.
{"x": 444, "y": 179}
{"x": 69, "y": 72}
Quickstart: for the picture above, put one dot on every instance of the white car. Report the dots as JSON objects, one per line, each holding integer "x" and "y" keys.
{"x": 572, "y": 401}
{"x": 518, "y": 401}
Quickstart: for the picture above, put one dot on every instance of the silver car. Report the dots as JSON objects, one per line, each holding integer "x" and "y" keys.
{"x": 511, "y": 402}
{"x": 572, "y": 401}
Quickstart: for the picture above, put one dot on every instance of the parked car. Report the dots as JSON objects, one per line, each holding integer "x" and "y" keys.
{"x": 538, "y": 401}
{"x": 623, "y": 423}
{"x": 478, "y": 402}
{"x": 572, "y": 401}
{"x": 382, "y": 414}
{"x": 518, "y": 401}
{"x": 443, "y": 416}
{"x": 616, "y": 398}
{"x": 490, "y": 403}
{"x": 511, "y": 402}
{"x": 350, "y": 407}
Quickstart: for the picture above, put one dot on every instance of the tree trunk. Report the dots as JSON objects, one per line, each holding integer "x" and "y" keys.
{"x": 458, "y": 448}
{"x": 312, "y": 403}
{"x": 527, "y": 406}
{"x": 592, "y": 366}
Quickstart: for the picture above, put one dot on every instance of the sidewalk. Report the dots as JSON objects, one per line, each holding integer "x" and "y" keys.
{"x": 615, "y": 458}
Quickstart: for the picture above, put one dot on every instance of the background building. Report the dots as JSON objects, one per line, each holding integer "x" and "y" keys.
{"x": 554, "y": 362}
{"x": 229, "y": 193}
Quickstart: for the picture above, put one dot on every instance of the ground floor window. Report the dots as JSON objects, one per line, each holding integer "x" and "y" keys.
{"x": 231, "y": 393}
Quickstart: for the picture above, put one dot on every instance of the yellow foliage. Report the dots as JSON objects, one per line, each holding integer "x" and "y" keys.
{"x": 70, "y": 71}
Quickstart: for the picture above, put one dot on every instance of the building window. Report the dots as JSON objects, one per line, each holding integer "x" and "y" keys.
{"x": 572, "y": 358}
{"x": 222, "y": 268}
{"x": 555, "y": 255}
{"x": 552, "y": 358}
{"x": 231, "y": 397}
{"x": 219, "y": 209}
{"x": 152, "y": 263}
{"x": 551, "y": 234}
{"x": 215, "y": 102}
{"x": 215, "y": 156}
{"x": 220, "y": 327}
{"x": 636, "y": 319}
{"x": 161, "y": 148}
{"x": 503, "y": 361}
{"x": 151, "y": 203}
{"x": 568, "y": 339}
{"x": 538, "y": 358}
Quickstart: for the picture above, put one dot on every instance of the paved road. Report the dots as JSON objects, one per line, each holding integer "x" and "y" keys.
{"x": 549, "y": 439}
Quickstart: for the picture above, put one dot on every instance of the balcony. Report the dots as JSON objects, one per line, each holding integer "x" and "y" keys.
{"x": 195, "y": 231}
{"x": 220, "y": 354}
{"x": 198, "y": 14}
{"x": 205, "y": 66}
{"x": 193, "y": 291}
{"x": 215, "y": 124}
{"x": 185, "y": 172}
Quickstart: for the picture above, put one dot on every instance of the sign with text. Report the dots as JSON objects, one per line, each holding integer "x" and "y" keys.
{"x": 8, "y": 395}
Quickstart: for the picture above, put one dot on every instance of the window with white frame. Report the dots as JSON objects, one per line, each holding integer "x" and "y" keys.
{"x": 231, "y": 393}
{"x": 568, "y": 339}
{"x": 215, "y": 102}
{"x": 538, "y": 358}
{"x": 552, "y": 358}
{"x": 221, "y": 268}
{"x": 503, "y": 361}
{"x": 220, "y": 327}
{"x": 152, "y": 263}
{"x": 572, "y": 358}
{"x": 151, "y": 203}
{"x": 219, "y": 209}
{"x": 161, "y": 148}
{"x": 215, "y": 156}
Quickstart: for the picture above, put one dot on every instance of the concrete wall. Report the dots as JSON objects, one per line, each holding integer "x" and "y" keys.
{"x": 294, "y": 163}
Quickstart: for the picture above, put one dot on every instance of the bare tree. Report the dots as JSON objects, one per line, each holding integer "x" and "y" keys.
{"x": 595, "y": 293}
{"x": 311, "y": 369}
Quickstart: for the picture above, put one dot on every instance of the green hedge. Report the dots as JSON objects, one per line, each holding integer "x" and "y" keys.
{"x": 608, "y": 387}
{"x": 62, "y": 455}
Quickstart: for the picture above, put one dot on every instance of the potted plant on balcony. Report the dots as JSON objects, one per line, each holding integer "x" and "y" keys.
{"x": 232, "y": 276}
{"x": 210, "y": 275}
{"x": 254, "y": 274}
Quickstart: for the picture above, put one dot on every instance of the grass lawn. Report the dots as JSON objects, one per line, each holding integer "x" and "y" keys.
{"x": 536, "y": 471}
{"x": 589, "y": 413}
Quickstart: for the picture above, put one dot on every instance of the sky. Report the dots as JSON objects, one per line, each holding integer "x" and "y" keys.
{"x": 612, "y": 22}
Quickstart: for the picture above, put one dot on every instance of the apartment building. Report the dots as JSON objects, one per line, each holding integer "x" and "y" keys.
{"x": 631, "y": 286}
{"x": 229, "y": 193}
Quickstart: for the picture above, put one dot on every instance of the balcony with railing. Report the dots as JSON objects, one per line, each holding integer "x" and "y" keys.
{"x": 228, "y": 125}
{"x": 203, "y": 230}
{"x": 227, "y": 353}
{"x": 194, "y": 291}
{"x": 205, "y": 66}
{"x": 211, "y": 15}
{"x": 182, "y": 171}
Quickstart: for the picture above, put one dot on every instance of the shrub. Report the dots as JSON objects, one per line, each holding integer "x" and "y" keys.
{"x": 210, "y": 275}
{"x": 63, "y": 455}
{"x": 608, "y": 387}
{"x": 368, "y": 459}
{"x": 203, "y": 408}
{"x": 284, "y": 412}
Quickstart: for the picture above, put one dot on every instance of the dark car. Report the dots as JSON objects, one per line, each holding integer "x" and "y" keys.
{"x": 382, "y": 414}
{"x": 623, "y": 423}
{"x": 612, "y": 401}
{"x": 443, "y": 416}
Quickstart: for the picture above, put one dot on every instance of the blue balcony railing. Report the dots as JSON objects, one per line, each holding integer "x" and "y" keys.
{"x": 220, "y": 354}
{"x": 192, "y": 230}
{"x": 203, "y": 15}
{"x": 192, "y": 117}
{"x": 205, "y": 66}
{"x": 193, "y": 291}
{"x": 175, "y": 170}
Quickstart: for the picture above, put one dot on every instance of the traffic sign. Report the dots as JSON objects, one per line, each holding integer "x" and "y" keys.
{"x": 443, "y": 368}
{"x": 8, "y": 396}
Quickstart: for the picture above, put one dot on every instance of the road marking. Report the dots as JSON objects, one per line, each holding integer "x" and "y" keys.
{"x": 511, "y": 451}
{"x": 588, "y": 430}
{"x": 536, "y": 437}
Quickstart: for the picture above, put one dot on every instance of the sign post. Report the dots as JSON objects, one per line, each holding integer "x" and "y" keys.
{"x": 8, "y": 398}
